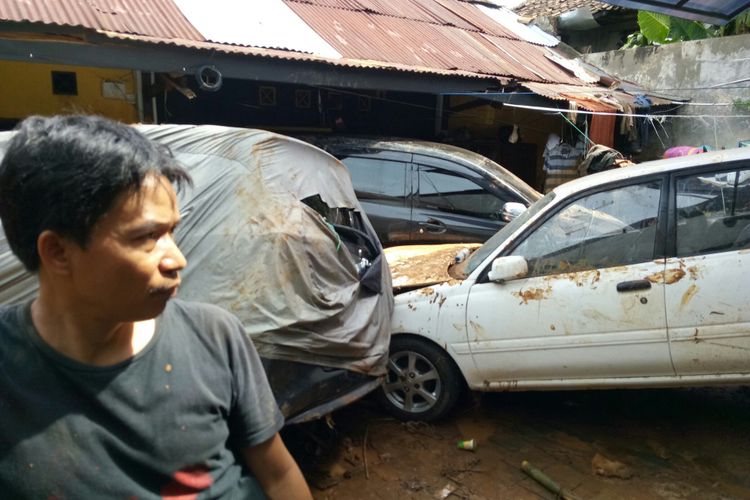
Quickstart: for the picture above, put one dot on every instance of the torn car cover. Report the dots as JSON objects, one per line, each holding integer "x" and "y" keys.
{"x": 254, "y": 248}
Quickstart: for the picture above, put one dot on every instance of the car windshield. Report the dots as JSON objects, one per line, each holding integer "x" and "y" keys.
{"x": 490, "y": 245}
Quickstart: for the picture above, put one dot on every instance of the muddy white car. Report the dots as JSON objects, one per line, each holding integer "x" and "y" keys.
{"x": 636, "y": 277}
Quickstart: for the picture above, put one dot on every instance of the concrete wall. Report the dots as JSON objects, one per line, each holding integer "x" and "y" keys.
{"x": 713, "y": 73}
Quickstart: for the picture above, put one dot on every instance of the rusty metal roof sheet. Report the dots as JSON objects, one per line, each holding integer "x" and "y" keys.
{"x": 278, "y": 28}
{"x": 293, "y": 56}
{"x": 552, "y": 8}
{"x": 446, "y": 37}
{"x": 589, "y": 98}
{"x": 159, "y": 18}
{"x": 363, "y": 34}
{"x": 594, "y": 98}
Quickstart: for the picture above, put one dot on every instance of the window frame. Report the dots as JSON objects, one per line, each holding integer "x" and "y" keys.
{"x": 380, "y": 156}
{"x": 483, "y": 182}
{"x": 661, "y": 223}
{"x": 671, "y": 216}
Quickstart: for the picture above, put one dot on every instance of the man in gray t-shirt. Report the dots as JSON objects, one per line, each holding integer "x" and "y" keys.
{"x": 108, "y": 388}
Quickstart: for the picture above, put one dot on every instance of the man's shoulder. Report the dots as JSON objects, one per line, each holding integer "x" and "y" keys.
{"x": 202, "y": 316}
{"x": 10, "y": 315}
{"x": 198, "y": 308}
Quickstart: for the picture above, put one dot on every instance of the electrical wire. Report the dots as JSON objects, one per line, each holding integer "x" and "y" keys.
{"x": 635, "y": 115}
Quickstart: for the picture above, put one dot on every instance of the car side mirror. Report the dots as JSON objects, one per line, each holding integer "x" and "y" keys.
{"x": 508, "y": 268}
{"x": 511, "y": 210}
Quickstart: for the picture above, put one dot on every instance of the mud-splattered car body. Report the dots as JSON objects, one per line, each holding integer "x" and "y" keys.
{"x": 636, "y": 277}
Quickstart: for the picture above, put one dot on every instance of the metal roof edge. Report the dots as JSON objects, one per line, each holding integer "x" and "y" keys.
{"x": 298, "y": 56}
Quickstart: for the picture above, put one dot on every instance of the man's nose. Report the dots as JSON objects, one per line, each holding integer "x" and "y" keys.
{"x": 172, "y": 261}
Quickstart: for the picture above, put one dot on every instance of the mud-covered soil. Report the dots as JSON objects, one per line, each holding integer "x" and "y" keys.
{"x": 648, "y": 444}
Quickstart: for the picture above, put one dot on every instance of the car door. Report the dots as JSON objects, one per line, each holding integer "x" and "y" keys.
{"x": 383, "y": 182}
{"x": 708, "y": 317}
{"x": 592, "y": 304}
{"x": 454, "y": 204}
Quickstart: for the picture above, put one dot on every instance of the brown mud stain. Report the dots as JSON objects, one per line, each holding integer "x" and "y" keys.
{"x": 694, "y": 272}
{"x": 533, "y": 294}
{"x": 427, "y": 291}
{"x": 479, "y": 332}
{"x": 668, "y": 277}
{"x": 689, "y": 293}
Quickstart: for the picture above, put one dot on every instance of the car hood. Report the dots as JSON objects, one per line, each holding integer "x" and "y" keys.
{"x": 416, "y": 266}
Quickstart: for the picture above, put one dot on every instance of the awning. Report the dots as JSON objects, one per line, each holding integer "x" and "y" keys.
{"x": 594, "y": 98}
{"x": 707, "y": 11}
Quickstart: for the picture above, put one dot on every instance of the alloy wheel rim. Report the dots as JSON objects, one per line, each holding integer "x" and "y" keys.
{"x": 413, "y": 384}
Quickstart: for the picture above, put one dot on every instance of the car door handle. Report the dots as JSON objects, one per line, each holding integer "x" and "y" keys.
{"x": 632, "y": 286}
{"x": 433, "y": 226}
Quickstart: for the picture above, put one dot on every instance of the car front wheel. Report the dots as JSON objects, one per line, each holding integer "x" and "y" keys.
{"x": 422, "y": 382}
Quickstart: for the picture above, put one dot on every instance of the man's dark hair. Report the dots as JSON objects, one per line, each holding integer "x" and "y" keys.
{"x": 63, "y": 173}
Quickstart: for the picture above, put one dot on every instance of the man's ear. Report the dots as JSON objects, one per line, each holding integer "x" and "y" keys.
{"x": 54, "y": 252}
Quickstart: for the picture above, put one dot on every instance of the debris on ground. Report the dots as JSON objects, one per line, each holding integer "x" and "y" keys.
{"x": 544, "y": 480}
{"x": 603, "y": 466}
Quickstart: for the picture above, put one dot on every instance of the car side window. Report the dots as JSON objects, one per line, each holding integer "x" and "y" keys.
{"x": 377, "y": 179}
{"x": 713, "y": 212}
{"x": 605, "y": 229}
{"x": 448, "y": 191}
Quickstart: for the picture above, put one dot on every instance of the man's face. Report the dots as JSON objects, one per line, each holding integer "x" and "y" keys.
{"x": 130, "y": 267}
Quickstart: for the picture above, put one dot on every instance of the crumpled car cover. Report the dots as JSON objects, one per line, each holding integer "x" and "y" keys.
{"x": 255, "y": 249}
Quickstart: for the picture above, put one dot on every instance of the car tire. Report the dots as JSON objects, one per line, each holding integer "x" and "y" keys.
{"x": 422, "y": 382}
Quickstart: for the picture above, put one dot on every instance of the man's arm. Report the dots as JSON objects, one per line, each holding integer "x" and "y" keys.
{"x": 276, "y": 470}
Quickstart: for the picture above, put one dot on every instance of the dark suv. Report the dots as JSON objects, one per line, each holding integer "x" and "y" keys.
{"x": 426, "y": 192}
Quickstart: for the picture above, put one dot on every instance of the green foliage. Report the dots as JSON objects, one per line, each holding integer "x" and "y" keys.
{"x": 655, "y": 27}
{"x": 742, "y": 104}
{"x": 740, "y": 25}
{"x": 659, "y": 29}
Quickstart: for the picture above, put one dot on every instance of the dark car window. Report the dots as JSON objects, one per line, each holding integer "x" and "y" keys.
{"x": 377, "y": 179}
{"x": 448, "y": 191}
{"x": 605, "y": 229}
{"x": 713, "y": 212}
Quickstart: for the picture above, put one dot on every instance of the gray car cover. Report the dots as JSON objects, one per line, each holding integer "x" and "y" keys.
{"x": 254, "y": 248}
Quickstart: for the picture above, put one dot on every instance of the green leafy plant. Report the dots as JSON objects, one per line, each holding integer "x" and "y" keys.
{"x": 660, "y": 29}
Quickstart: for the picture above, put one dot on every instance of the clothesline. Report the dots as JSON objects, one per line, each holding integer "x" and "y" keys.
{"x": 608, "y": 113}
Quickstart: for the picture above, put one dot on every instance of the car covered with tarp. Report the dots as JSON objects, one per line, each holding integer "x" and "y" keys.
{"x": 273, "y": 232}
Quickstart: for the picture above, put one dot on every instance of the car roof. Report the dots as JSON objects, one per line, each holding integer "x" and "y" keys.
{"x": 651, "y": 167}
{"x": 470, "y": 159}
{"x": 399, "y": 144}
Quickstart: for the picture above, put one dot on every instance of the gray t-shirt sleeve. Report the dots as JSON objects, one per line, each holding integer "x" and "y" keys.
{"x": 255, "y": 417}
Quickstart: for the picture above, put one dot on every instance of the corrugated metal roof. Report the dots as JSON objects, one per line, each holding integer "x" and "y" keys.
{"x": 442, "y": 12}
{"x": 292, "y": 56}
{"x": 160, "y": 18}
{"x": 366, "y": 35}
{"x": 588, "y": 98}
{"x": 594, "y": 98}
{"x": 553, "y": 8}
{"x": 528, "y": 32}
{"x": 278, "y": 28}
{"x": 444, "y": 37}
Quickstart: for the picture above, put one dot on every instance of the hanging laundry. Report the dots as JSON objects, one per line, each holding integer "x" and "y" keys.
{"x": 684, "y": 151}
{"x": 603, "y": 130}
{"x": 561, "y": 164}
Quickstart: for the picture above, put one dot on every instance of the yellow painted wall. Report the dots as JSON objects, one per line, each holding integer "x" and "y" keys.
{"x": 26, "y": 89}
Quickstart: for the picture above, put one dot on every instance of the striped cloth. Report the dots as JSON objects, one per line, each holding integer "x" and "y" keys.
{"x": 561, "y": 164}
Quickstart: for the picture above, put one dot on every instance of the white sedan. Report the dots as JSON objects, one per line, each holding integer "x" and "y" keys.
{"x": 635, "y": 277}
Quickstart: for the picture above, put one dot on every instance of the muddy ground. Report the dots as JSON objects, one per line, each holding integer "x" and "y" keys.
{"x": 651, "y": 444}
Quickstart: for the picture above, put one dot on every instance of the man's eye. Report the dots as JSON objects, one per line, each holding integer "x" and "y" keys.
{"x": 149, "y": 236}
